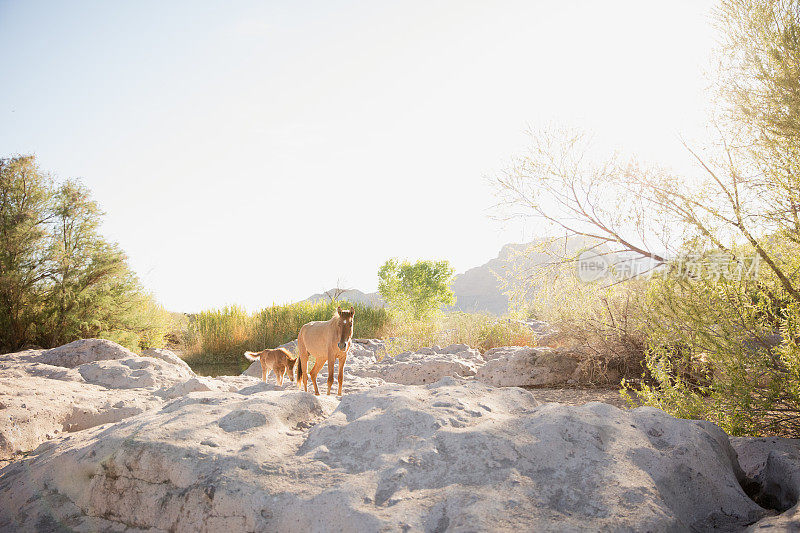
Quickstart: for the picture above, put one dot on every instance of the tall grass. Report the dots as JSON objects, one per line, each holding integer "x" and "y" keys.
{"x": 221, "y": 335}
{"x": 477, "y": 330}
{"x": 215, "y": 339}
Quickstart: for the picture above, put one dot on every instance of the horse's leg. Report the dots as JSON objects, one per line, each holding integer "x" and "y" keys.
{"x": 279, "y": 377}
{"x": 331, "y": 359}
{"x": 341, "y": 374}
{"x": 264, "y": 371}
{"x": 315, "y": 371}
{"x": 302, "y": 364}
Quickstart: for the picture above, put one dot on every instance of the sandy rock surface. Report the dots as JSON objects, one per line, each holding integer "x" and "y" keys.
{"x": 46, "y": 393}
{"x": 514, "y": 366}
{"x": 130, "y": 443}
{"x": 453, "y": 455}
{"x": 168, "y": 356}
{"x": 425, "y": 366}
{"x": 84, "y": 351}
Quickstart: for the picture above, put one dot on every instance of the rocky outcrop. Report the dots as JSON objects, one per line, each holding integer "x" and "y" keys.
{"x": 84, "y": 351}
{"x": 46, "y": 393}
{"x": 129, "y": 443}
{"x": 453, "y": 455}
{"x": 134, "y": 373}
{"x": 424, "y": 366}
{"x": 166, "y": 355}
{"x": 34, "y": 409}
{"x": 514, "y": 366}
{"x": 772, "y": 467}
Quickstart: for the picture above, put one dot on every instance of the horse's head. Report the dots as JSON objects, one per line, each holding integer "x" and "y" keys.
{"x": 290, "y": 367}
{"x": 346, "y": 324}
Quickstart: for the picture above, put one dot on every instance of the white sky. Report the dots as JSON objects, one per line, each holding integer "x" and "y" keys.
{"x": 256, "y": 152}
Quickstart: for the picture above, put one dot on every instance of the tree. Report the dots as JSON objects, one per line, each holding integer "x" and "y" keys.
{"x": 417, "y": 289}
{"x": 744, "y": 202}
{"x": 337, "y": 292}
{"x": 25, "y": 212}
{"x": 60, "y": 280}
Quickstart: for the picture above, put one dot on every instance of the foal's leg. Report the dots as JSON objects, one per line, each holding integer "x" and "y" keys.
{"x": 331, "y": 359}
{"x": 341, "y": 375}
{"x": 264, "y": 371}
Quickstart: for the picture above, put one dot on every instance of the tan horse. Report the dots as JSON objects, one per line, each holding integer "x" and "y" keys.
{"x": 279, "y": 361}
{"x": 326, "y": 341}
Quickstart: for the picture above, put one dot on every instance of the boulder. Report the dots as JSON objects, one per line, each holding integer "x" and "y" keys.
{"x": 454, "y": 349}
{"x": 772, "y": 466}
{"x": 84, "y": 351}
{"x": 46, "y": 393}
{"x": 134, "y": 372}
{"x": 34, "y": 409}
{"x": 166, "y": 355}
{"x": 424, "y": 366}
{"x": 454, "y": 455}
{"x": 513, "y": 366}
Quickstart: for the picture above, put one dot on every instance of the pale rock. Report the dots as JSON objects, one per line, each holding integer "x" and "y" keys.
{"x": 773, "y": 468}
{"x": 417, "y": 368}
{"x": 133, "y": 372}
{"x": 454, "y": 349}
{"x": 82, "y": 384}
{"x": 84, "y": 351}
{"x": 514, "y": 366}
{"x": 454, "y": 455}
{"x": 168, "y": 356}
{"x": 36, "y": 409}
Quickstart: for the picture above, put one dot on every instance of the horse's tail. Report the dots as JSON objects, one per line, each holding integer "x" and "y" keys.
{"x": 299, "y": 366}
{"x": 251, "y": 356}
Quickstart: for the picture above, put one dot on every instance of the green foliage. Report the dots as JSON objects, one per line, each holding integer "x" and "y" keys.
{"x": 222, "y": 335}
{"x": 417, "y": 290}
{"x": 742, "y": 333}
{"x": 60, "y": 280}
{"x": 717, "y": 347}
{"x": 725, "y": 350}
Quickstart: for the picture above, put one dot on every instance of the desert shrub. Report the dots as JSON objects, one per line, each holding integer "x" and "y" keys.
{"x": 725, "y": 349}
{"x": 603, "y": 324}
{"x": 744, "y": 200}
{"x": 477, "y": 330}
{"x": 60, "y": 280}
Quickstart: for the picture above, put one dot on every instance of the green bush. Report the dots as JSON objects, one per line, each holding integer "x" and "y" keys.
{"x": 725, "y": 350}
{"x": 60, "y": 280}
{"x": 417, "y": 290}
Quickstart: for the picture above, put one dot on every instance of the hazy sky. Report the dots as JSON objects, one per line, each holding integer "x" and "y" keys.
{"x": 256, "y": 152}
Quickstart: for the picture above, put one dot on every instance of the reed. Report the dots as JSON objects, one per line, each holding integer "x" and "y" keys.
{"x": 220, "y": 336}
